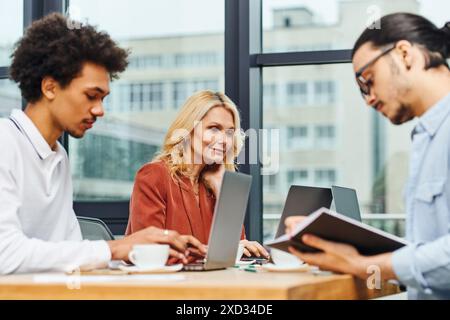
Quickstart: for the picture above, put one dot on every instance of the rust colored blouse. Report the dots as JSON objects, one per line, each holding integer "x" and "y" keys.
{"x": 159, "y": 200}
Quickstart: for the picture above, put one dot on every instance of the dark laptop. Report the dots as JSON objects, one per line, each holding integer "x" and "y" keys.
{"x": 303, "y": 200}
{"x": 226, "y": 228}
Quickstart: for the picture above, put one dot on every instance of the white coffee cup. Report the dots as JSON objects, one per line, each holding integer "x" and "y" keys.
{"x": 240, "y": 252}
{"x": 284, "y": 259}
{"x": 149, "y": 255}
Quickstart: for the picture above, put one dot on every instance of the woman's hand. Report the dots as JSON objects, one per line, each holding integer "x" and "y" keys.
{"x": 213, "y": 176}
{"x": 253, "y": 248}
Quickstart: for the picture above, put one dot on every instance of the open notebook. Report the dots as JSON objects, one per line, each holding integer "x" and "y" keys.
{"x": 339, "y": 228}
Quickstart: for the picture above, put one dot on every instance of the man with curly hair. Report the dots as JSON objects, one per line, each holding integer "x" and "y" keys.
{"x": 64, "y": 75}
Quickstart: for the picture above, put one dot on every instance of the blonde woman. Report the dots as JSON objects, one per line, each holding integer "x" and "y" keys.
{"x": 178, "y": 189}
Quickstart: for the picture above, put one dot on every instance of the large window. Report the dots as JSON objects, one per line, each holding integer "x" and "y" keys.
{"x": 9, "y": 97}
{"x": 326, "y": 133}
{"x": 334, "y": 138}
{"x": 335, "y": 141}
{"x": 11, "y": 15}
{"x": 297, "y": 93}
{"x": 177, "y": 49}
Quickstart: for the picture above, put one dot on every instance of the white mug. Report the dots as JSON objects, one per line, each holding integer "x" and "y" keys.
{"x": 284, "y": 259}
{"x": 149, "y": 255}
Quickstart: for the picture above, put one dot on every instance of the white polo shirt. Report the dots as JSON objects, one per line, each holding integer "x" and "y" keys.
{"x": 38, "y": 227}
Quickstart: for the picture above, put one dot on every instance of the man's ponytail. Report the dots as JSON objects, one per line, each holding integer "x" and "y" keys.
{"x": 446, "y": 32}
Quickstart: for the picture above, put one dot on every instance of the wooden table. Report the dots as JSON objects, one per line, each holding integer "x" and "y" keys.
{"x": 224, "y": 284}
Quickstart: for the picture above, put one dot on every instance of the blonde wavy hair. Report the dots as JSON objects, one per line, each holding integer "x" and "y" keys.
{"x": 175, "y": 151}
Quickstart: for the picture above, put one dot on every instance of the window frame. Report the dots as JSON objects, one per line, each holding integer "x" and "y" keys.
{"x": 244, "y": 65}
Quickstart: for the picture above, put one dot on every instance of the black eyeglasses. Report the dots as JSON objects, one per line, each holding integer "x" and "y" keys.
{"x": 364, "y": 85}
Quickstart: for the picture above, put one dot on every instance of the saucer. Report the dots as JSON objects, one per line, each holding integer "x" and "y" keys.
{"x": 165, "y": 269}
{"x": 277, "y": 268}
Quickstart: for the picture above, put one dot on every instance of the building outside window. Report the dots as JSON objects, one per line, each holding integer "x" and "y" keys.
{"x": 297, "y": 94}
{"x": 298, "y": 177}
{"x": 11, "y": 15}
{"x": 324, "y": 177}
{"x": 325, "y": 136}
{"x": 270, "y": 95}
{"x": 298, "y": 137}
{"x": 324, "y": 92}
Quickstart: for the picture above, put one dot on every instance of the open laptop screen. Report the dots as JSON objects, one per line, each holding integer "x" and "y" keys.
{"x": 303, "y": 200}
{"x": 346, "y": 202}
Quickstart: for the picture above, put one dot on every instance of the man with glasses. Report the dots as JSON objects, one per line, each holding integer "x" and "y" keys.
{"x": 402, "y": 72}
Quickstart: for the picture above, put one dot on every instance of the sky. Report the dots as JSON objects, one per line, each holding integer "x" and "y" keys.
{"x": 145, "y": 18}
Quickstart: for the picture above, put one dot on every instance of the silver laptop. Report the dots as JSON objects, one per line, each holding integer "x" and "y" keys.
{"x": 226, "y": 228}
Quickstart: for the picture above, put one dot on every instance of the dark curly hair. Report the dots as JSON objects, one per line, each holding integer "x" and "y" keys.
{"x": 51, "y": 48}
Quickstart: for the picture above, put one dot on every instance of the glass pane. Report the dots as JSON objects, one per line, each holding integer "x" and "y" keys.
{"x": 177, "y": 48}
{"x": 309, "y": 25}
{"x": 11, "y": 15}
{"x": 327, "y": 135}
{"x": 9, "y": 97}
